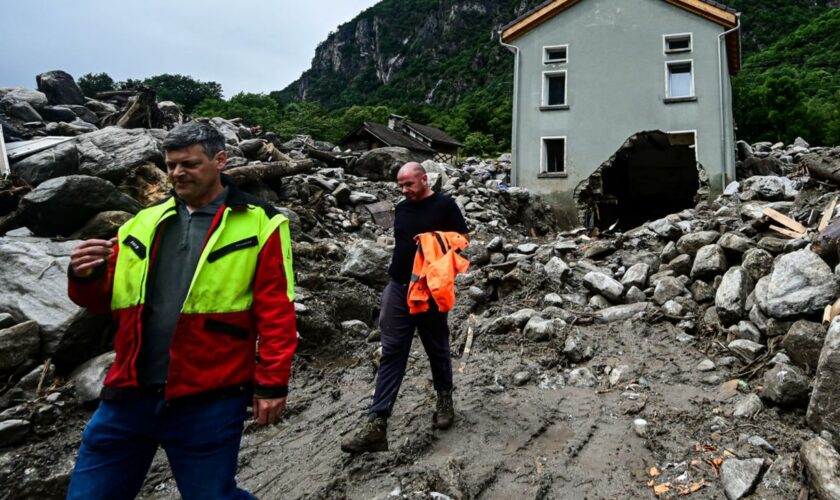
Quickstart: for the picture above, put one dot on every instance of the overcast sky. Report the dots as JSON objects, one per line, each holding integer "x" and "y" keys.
{"x": 246, "y": 45}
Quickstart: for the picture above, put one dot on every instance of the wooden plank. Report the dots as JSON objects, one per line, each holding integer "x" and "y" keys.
{"x": 698, "y": 7}
{"x": 710, "y": 12}
{"x": 532, "y": 21}
{"x": 835, "y": 309}
{"x": 827, "y": 314}
{"x": 787, "y": 232}
{"x": 785, "y": 220}
{"x": 5, "y": 170}
{"x": 827, "y": 215}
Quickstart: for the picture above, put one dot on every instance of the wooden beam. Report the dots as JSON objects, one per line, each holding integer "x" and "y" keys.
{"x": 785, "y": 220}
{"x": 535, "y": 19}
{"x": 710, "y": 12}
{"x": 835, "y": 309}
{"x": 787, "y": 232}
{"x": 828, "y": 214}
{"x": 827, "y": 314}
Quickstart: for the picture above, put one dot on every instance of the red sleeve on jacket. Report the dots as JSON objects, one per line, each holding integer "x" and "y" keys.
{"x": 93, "y": 292}
{"x": 274, "y": 315}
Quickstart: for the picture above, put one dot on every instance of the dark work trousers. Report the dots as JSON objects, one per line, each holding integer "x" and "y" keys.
{"x": 397, "y": 331}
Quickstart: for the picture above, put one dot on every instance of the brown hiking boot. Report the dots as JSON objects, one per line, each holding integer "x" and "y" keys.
{"x": 445, "y": 412}
{"x": 371, "y": 436}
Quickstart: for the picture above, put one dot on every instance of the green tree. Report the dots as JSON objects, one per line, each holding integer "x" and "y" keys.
{"x": 93, "y": 83}
{"x": 253, "y": 109}
{"x": 184, "y": 90}
{"x": 478, "y": 144}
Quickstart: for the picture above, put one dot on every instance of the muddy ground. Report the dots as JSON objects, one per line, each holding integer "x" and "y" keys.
{"x": 539, "y": 440}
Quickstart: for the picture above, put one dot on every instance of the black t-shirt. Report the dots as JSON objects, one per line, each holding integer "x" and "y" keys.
{"x": 438, "y": 212}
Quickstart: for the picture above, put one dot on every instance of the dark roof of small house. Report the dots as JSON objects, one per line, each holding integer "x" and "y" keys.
{"x": 433, "y": 134}
{"x": 719, "y": 14}
{"x": 389, "y": 137}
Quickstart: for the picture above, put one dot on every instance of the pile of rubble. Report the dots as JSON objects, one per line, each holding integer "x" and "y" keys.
{"x": 749, "y": 282}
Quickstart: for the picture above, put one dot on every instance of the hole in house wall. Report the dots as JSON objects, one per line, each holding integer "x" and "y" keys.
{"x": 652, "y": 175}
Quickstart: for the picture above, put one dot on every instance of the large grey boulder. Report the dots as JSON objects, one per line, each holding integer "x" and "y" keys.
{"x": 636, "y": 276}
{"x": 604, "y": 285}
{"x": 61, "y": 206}
{"x": 58, "y": 114}
{"x": 731, "y": 295}
{"x": 37, "y": 100}
{"x": 33, "y": 277}
{"x": 801, "y": 283}
{"x": 665, "y": 228}
{"x": 709, "y": 262}
{"x": 824, "y": 408}
{"x": 739, "y": 477}
{"x": 367, "y": 262}
{"x": 228, "y": 129}
{"x": 60, "y": 88}
{"x": 692, "y": 242}
{"x": 83, "y": 113}
{"x": 23, "y": 111}
{"x": 757, "y": 262}
{"x": 557, "y": 269}
{"x": 56, "y": 161}
{"x": 822, "y": 463}
{"x": 785, "y": 385}
{"x": 112, "y": 152}
{"x": 770, "y": 188}
{"x": 539, "y": 329}
{"x": 382, "y": 164}
{"x": 669, "y": 288}
{"x": 87, "y": 378}
{"x": 735, "y": 243}
{"x": 803, "y": 343}
{"x": 18, "y": 344}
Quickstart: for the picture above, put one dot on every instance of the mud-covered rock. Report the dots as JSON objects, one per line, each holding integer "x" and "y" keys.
{"x": 18, "y": 344}
{"x": 33, "y": 277}
{"x": 692, "y": 242}
{"x": 602, "y": 284}
{"x": 60, "y": 88}
{"x": 822, "y": 465}
{"x": 746, "y": 349}
{"x": 731, "y": 295}
{"x": 112, "y": 152}
{"x": 824, "y": 407}
{"x": 739, "y": 477}
{"x": 709, "y": 262}
{"x": 786, "y": 385}
{"x": 668, "y": 288}
{"x": 801, "y": 283}
{"x": 803, "y": 343}
{"x": 87, "y": 378}
{"x": 63, "y": 205}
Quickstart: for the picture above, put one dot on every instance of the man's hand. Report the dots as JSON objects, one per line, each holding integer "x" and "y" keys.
{"x": 90, "y": 255}
{"x": 267, "y": 411}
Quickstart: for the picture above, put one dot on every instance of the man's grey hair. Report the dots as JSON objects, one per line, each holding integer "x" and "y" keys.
{"x": 188, "y": 134}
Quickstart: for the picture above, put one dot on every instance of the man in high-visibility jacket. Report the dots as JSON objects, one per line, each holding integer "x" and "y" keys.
{"x": 201, "y": 291}
{"x": 422, "y": 211}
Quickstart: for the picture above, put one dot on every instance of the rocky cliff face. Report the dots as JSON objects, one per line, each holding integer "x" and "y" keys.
{"x": 443, "y": 48}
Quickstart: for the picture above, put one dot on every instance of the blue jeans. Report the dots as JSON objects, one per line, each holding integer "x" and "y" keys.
{"x": 201, "y": 441}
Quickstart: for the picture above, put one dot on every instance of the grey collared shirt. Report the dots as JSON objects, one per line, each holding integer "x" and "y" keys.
{"x": 176, "y": 259}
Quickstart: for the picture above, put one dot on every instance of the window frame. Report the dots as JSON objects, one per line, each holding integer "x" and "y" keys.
{"x": 693, "y": 93}
{"x": 546, "y": 49}
{"x": 544, "y": 173}
{"x": 544, "y": 105}
{"x": 673, "y": 36}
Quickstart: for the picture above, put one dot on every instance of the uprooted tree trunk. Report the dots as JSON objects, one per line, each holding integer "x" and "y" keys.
{"x": 826, "y": 244}
{"x": 267, "y": 173}
{"x": 823, "y": 166}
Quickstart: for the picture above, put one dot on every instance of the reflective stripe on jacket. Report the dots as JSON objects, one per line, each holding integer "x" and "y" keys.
{"x": 436, "y": 263}
{"x": 241, "y": 292}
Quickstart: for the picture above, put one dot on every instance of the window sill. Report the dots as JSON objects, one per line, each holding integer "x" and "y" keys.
{"x": 556, "y": 61}
{"x": 672, "y": 100}
{"x": 552, "y": 175}
{"x": 560, "y": 107}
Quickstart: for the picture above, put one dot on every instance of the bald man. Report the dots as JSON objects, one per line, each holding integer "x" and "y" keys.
{"x": 421, "y": 211}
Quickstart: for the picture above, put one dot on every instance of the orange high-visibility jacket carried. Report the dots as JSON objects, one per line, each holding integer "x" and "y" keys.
{"x": 436, "y": 263}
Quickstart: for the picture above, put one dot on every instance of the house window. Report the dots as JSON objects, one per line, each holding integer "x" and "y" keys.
{"x": 556, "y": 54}
{"x": 678, "y": 43}
{"x": 554, "y": 89}
{"x": 554, "y": 155}
{"x": 680, "y": 80}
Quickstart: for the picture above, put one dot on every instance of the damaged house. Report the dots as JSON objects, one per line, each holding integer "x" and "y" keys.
{"x": 622, "y": 109}
{"x": 401, "y": 132}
